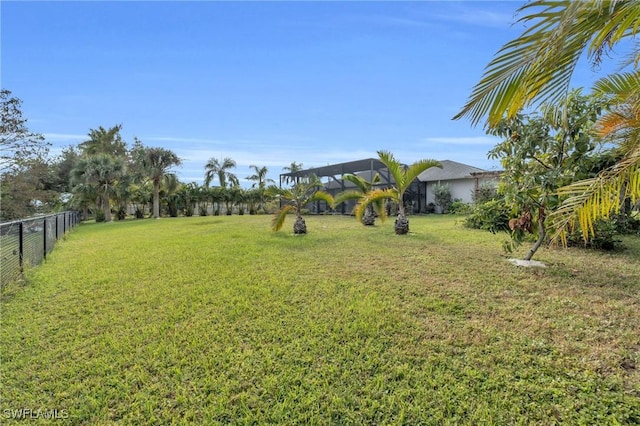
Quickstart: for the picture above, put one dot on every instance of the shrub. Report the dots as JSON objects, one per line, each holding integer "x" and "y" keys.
{"x": 491, "y": 216}
{"x": 431, "y": 208}
{"x": 100, "y": 216}
{"x": 139, "y": 214}
{"x": 603, "y": 238}
{"x": 121, "y": 214}
{"x": 460, "y": 207}
{"x": 485, "y": 192}
{"x": 442, "y": 194}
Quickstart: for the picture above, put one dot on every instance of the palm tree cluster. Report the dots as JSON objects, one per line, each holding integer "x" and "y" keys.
{"x": 108, "y": 173}
{"x": 369, "y": 196}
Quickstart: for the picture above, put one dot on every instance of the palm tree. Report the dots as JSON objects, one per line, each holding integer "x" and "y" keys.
{"x": 402, "y": 176}
{"x": 261, "y": 181}
{"x": 103, "y": 141}
{"x": 215, "y": 168}
{"x": 155, "y": 164}
{"x": 293, "y": 167}
{"x": 84, "y": 197}
{"x": 142, "y": 194}
{"x": 170, "y": 186}
{"x": 363, "y": 187}
{"x": 102, "y": 171}
{"x": 260, "y": 177}
{"x": 304, "y": 191}
{"x": 537, "y": 68}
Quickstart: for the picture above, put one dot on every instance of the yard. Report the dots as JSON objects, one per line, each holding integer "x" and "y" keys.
{"x": 210, "y": 320}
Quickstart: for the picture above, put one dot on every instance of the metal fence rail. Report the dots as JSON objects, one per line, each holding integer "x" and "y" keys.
{"x": 28, "y": 241}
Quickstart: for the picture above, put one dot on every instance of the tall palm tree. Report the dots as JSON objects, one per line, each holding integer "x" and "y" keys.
{"x": 215, "y": 167}
{"x": 260, "y": 177}
{"x": 291, "y": 168}
{"x": 537, "y": 68}
{"x": 155, "y": 163}
{"x": 402, "y": 176}
{"x": 261, "y": 181}
{"x": 304, "y": 191}
{"x": 363, "y": 187}
{"x": 102, "y": 171}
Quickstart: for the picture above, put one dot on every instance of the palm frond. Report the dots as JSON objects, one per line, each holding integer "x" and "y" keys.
{"x": 538, "y": 65}
{"x": 323, "y": 196}
{"x": 373, "y": 197}
{"x": 396, "y": 169}
{"x": 347, "y": 195}
{"x": 595, "y": 198}
{"x": 358, "y": 181}
{"x": 278, "y": 217}
{"x": 414, "y": 170}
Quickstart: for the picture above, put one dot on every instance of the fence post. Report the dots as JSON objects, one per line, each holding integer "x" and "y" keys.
{"x": 44, "y": 238}
{"x": 21, "y": 245}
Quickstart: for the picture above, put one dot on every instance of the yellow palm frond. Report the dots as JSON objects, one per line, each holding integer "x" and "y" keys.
{"x": 278, "y": 218}
{"x": 595, "y": 198}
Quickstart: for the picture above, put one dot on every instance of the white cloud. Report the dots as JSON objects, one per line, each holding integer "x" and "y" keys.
{"x": 473, "y": 140}
{"x": 61, "y": 137}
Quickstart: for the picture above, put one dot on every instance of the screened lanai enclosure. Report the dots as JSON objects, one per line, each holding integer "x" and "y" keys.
{"x": 331, "y": 177}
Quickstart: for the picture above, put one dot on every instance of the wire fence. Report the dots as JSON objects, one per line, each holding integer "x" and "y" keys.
{"x": 27, "y": 242}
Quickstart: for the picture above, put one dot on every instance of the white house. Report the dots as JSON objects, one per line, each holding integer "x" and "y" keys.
{"x": 463, "y": 180}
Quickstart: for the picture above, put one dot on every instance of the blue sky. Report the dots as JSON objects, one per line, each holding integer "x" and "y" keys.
{"x": 263, "y": 83}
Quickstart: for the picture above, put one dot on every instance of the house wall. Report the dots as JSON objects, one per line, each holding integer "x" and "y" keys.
{"x": 462, "y": 189}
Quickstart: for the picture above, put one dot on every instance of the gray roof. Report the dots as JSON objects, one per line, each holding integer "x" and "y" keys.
{"x": 339, "y": 169}
{"x": 450, "y": 170}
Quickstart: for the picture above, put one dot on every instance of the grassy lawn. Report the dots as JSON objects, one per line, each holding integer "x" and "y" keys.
{"x": 210, "y": 320}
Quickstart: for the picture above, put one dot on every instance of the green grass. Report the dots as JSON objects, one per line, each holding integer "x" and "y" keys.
{"x": 212, "y": 320}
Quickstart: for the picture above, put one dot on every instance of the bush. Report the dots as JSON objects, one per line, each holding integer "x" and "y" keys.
{"x": 603, "y": 238}
{"x": 139, "y": 214}
{"x": 121, "y": 214}
{"x": 460, "y": 207}
{"x": 442, "y": 194}
{"x": 491, "y": 216}
{"x": 485, "y": 192}
{"x": 431, "y": 208}
{"x": 100, "y": 216}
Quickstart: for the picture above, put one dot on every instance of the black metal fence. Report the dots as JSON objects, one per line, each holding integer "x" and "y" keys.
{"x": 28, "y": 241}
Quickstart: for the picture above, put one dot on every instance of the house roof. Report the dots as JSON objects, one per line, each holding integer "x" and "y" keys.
{"x": 366, "y": 168}
{"x": 339, "y": 169}
{"x": 450, "y": 170}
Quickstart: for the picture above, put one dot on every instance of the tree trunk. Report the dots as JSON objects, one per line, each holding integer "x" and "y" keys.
{"x": 107, "y": 210}
{"x": 299, "y": 227}
{"x": 369, "y": 217}
{"x": 156, "y": 200}
{"x": 401, "y": 225}
{"x": 542, "y": 233}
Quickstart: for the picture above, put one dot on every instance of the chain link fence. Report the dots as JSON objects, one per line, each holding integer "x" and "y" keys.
{"x": 27, "y": 242}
